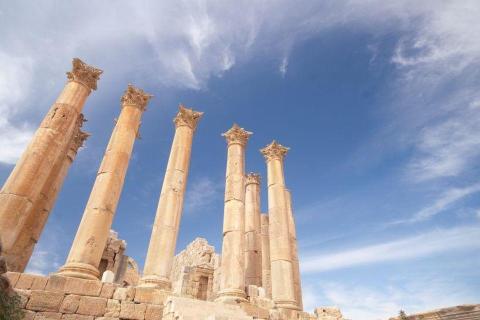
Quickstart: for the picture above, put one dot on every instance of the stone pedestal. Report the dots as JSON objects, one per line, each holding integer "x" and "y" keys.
{"x": 265, "y": 238}
{"x": 36, "y": 166}
{"x": 43, "y": 206}
{"x": 232, "y": 280}
{"x": 283, "y": 287}
{"x": 87, "y": 248}
{"x": 253, "y": 245}
{"x": 161, "y": 249}
{"x": 293, "y": 244}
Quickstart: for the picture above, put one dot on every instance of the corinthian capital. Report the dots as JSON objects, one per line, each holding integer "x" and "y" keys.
{"x": 84, "y": 74}
{"x": 134, "y": 96}
{"x": 252, "y": 178}
{"x": 78, "y": 140}
{"x": 187, "y": 117}
{"x": 274, "y": 151}
{"x": 237, "y": 135}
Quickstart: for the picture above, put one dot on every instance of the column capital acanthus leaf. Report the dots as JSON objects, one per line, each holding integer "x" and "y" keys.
{"x": 134, "y": 96}
{"x": 187, "y": 117}
{"x": 252, "y": 178}
{"x": 274, "y": 151}
{"x": 84, "y": 74}
{"x": 236, "y": 134}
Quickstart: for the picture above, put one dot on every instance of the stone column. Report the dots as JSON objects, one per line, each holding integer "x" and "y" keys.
{"x": 232, "y": 279}
{"x": 161, "y": 249}
{"x": 253, "y": 245}
{"x": 293, "y": 243}
{"x": 283, "y": 287}
{"x": 48, "y": 145}
{"x": 44, "y": 204}
{"x": 266, "y": 280}
{"x": 92, "y": 234}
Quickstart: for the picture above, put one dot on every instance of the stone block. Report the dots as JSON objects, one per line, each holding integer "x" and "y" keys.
{"x": 113, "y": 308}
{"x": 76, "y": 317}
{"x": 24, "y": 296}
{"x": 124, "y": 294}
{"x": 56, "y": 283}
{"x": 106, "y": 318}
{"x": 107, "y": 290}
{"x": 150, "y": 295}
{"x": 45, "y": 301}
{"x": 92, "y": 306}
{"x": 39, "y": 283}
{"x": 83, "y": 287}
{"x": 28, "y": 315}
{"x": 70, "y": 304}
{"x": 25, "y": 281}
{"x": 153, "y": 312}
{"x": 12, "y": 277}
{"x": 48, "y": 316}
{"x": 134, "y": 311}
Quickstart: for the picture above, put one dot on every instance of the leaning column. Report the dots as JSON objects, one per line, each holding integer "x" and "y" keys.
{"x": 283, "y": 287}
{"x": 44, "y": 204}
{"x": 161, "y": 249}
{"x": 92, "y": 234}
{"x": 232, "y": 279}
{"x": 293, "y": 243}
{"x": 253, "y": 248}
{"x": 48, "y": 145}
{"x": 266, "y": 279}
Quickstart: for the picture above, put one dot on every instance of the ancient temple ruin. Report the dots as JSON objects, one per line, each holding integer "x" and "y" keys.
{"x": 256, "y": 275}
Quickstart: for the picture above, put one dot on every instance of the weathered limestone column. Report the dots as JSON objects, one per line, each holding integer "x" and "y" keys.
{"x": 163, "y": 240}
{"x": 253, "y": 245}
{"x": 293, "y": 243}
{"x": 92, "y": 234}
{"x": 48, "y": 145}
{"x": 266, "y": 280}
{"x": 44, "y": 204}
{"x": 232, "y": 279}
{"x": 283, "y": 287}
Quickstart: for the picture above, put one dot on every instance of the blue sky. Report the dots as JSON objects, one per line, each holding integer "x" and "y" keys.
{"x": 379, "y": 103}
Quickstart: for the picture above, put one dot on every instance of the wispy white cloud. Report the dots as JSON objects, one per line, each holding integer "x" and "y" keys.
{"x": 43, "y": 262}
{"x": 201, "y": 194}
{"x": 283, "y": 66}
{"x": 426, "y": 244}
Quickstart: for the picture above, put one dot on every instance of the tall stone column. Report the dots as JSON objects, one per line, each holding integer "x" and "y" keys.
{"x": 48, "y": 145}
{"x": 293, "y": 243}
{"x": 283, "y": 287}
{"x": 253, "y": 245}
{"x": 232, "y": 279}
{"x": 92, "y": 234}
{"x": 266, "y": 279}
{"x": 44, "y": 204}
{"x": 163, "y": 240}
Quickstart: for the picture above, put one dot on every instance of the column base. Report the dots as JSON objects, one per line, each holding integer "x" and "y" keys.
{"x": 287, "y": 304}
{"x": 155, "y": 282}
{"x": 79, "y": 270}
{"x": 231, "y": 296}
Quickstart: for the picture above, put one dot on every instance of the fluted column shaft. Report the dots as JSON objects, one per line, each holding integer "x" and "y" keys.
{"x": 266, "y": 279}
{"x": 253, "y": 245}
{"x": 161, "y": 249}
{"x": 44, "y": 204}
{"x": 232, "y": 279}
{"x": 293, "y": 243}
{"x": 92, "y": 234}
{"x": 36, "y": 165}
{"x": 283, "y": 287}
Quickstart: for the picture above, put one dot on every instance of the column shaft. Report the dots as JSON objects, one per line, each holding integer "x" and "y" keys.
{"x": 161, "y": 249}
{"x": 232, "y": 279}
{"x": 92, "y": 234}
{"x": 283, "y": 288}
{"x": 253, "y": 248}
{"x": 266, "y": 279}
{"x": 36, "y": 166}
{"x": 293, "y": 244}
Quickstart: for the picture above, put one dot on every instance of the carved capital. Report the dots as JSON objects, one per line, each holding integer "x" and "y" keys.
{"x": 237, "y": 135}
{"x": 252, "y": 177}
{"x": 84, "y": 74}
{"x": 187, "y": 117}
{"x": 134, "y": 96}
{"x": 274, "y": 151}
{"x": 78, "y": 140}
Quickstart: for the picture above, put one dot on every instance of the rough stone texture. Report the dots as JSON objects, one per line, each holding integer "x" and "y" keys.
{"x": 461, "y": 312}
{"x": 161, "y": 249}
{"x": 130, "y": 310}
{"x": 150, "y": 295}
{"x": 113, "y": 308}
{"x": 45, "y": 301}
{"x": 107, "y": 290}
{"x": 70, "y": 304}
{"x": 124, "y": 294}
{"x": 47, "y": 316}
{"x": 76, "y": 317}
{"x": 193, "y": 271}
{"x": 12, "y": 277}
{"x": 154, "y": 312}
{"x": 92, "y": 306}
{"x": 328, "y": 313}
